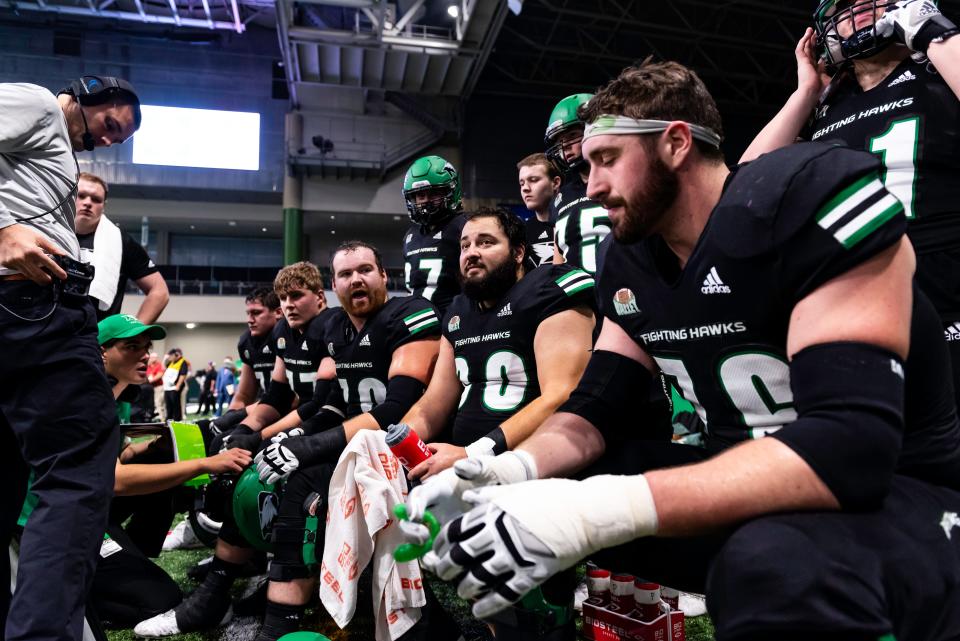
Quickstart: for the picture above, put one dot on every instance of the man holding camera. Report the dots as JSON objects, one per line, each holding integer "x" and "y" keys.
{"x": 48, "y": 329}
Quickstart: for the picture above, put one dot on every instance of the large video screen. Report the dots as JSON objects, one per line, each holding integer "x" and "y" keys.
{"x": 183, "y": 137}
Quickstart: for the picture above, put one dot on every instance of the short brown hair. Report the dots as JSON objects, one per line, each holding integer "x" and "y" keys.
{"x": 354, "y": 245}
{"x": 540, "y": 159}
{"x": 95, "y": 179}
{"x": 304, "y": 275}
{"x": 659, "y": 91}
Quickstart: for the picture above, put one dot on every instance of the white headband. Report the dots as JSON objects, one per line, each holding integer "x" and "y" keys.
{"x": 623, "y": 125}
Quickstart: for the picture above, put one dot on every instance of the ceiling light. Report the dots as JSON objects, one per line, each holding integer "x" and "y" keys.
{"x": 453, "y": 11}
{"x": 263, "y": 229}
{"x": 191, "y": 325}
{"x": 232, "y": 223}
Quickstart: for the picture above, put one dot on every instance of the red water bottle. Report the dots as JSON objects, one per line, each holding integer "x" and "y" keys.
{"x": 407, "y": 446}
{"x": 647, "y": 600}
{"x": 598, "y": 584}
{"x": 621, "y": 591}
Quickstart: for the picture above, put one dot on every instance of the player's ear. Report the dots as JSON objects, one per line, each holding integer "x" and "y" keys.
{"x": 675, "y": 144}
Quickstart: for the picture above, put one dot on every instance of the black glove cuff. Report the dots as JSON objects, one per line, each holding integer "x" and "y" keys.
{"x": 937, "y": 28}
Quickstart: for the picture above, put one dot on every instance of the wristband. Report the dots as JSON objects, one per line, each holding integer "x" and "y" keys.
{"x": 492, "y": 444}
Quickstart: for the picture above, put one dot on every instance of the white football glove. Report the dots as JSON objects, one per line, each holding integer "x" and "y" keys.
{"x": 442, "y": 494}
{"x": 279, "y": 436}
{"x": 276, "y": 462}
{"x": 530, "y": 531}
{"x": 916, "y": 23}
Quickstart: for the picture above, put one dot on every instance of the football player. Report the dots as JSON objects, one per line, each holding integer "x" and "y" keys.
{"x": 431, "y": 191}
{"x": 299, "y": 344}
{"x": 779, "y": 297}
{"x": 539, "y": 183}
{"x": 514, "y": 345}
{"x": 894, "y": 89}
{"x": 382, "y": 353}
{"x": 581, "y": 223}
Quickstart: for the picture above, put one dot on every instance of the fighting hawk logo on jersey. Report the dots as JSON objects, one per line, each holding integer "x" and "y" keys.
{"x": 625, "y": 303}
{"x": 246, "y": 354}
{"x": 454, "y": 324}
{"x": 330, "y": 349}
{"x": 543, "y": 251}
{"x": 281, "y": 343}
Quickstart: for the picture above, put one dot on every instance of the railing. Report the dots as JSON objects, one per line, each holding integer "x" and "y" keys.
{"x": 237, "y": 281}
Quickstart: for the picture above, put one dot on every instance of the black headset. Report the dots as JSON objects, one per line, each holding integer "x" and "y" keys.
{"x": 90, "y": 91}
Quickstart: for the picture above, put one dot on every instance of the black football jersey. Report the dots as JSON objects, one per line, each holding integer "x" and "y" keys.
{"x": 432, "y": 262}
{"x": 363, "y": 357}
{"x": 912, "y": 121}
{"x": 493, "y": 348}
{"x": 786, "y": 224}
{"x": 258, "y": 353}
{"x": 302, "y": 350}
{"x": 539, "y": 241}
{"x": 581, "y": 223}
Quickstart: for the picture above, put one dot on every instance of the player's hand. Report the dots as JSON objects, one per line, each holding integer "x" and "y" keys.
{"x": 25, "y": 251}
{"x": 228, "y": 462}
{"x": 915, "y": 23}
{"x": 442, "y": 494}
{"x": 279, "y": 460}
{"x": 812, "y": 76}
{"x": 444, "y": 455}
{"x": 238, "y": 439}
{"x": 279, "y": 436}
{"x": 276, "y": 462}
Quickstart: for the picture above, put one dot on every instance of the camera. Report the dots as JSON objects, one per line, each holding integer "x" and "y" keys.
{"x": 79, "y": 277}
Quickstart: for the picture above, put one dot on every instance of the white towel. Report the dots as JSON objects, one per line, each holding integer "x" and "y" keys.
{"x": 369, "y": 477}
{"x": 106, "y": 258}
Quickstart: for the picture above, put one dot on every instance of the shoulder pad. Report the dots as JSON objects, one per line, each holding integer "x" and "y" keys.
{"x": 768, "y": 200}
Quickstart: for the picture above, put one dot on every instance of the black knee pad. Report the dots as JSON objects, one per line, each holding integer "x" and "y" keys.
{"x": 290, "y": 535}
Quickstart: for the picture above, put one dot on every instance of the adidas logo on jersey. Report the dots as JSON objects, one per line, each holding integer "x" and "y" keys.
{"x": 949, "y": 521}
{"x": 906, "y": 76}
{"x": 265, "y": 350}
{"x": 713, "y": 285}
{"x": 438, "y": 235}
{"x": 506, "y": 311}
{"x": 952, "y": 333}
{"x": 304, "y": 346}
{"x": 542, "y": 236}
{"x": 365, "y": 341}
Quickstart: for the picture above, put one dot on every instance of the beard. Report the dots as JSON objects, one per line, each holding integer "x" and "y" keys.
{"x": 498, "y": 281}
{"x": 653, "y": 200}
{"x": 376, "y": 299}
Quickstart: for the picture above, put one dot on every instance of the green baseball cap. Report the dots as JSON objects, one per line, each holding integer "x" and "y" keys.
{"x": 126, "y": 326}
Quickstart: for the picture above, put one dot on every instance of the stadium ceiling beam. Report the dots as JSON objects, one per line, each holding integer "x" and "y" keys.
{"x": 206, "y": 10}
{"x": 238, "y": 26}
{"x": 148, "y": 18}
{"x": 350, "y": 4}
{"x": 288, "y": 50}
{"x": 406, "y": 17}
{"x": 312, "y": 35}
{"x": 173, "y": 10}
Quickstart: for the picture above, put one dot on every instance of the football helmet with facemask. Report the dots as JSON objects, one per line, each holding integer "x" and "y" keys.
{"x": 862, "y": 42}
{"x": 431, "y": 190}
{"x": 563, "y": 122}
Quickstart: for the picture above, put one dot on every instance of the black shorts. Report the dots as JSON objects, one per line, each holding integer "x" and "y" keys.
{"x": 818, "y": 575}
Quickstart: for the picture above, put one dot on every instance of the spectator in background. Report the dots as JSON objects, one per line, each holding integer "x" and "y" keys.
{"x": 155, "y": 369}
{"x": 226, "y": 384}
{"x": 539, "y": 184}
{"x": 207, "y": 380}
{"x": 116, "y": 256}
{"x": 174, "y": 381}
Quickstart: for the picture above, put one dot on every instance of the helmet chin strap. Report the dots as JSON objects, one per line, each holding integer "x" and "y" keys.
{"x": 87, "y": 138}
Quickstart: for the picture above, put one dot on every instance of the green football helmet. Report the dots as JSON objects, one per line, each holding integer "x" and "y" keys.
{"x": 563, "y": 118}
{"x": 435, "y": 183}
{"x": 303, "y": 636}
{"x": 255, "y": 506}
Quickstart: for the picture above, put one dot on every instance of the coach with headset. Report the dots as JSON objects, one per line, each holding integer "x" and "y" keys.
{"x": 56, "y": 408}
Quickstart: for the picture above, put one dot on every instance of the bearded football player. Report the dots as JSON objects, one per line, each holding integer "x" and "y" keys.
{"x": 431, "y": 191}
{"x": 779, "y": 298}
{"x": 581, "y": 223}
{"x": 893, "y": 92}
{"x": 381, "y": 353}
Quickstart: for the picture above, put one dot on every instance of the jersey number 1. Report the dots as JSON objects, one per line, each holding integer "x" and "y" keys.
{"x": 897, "y": 147}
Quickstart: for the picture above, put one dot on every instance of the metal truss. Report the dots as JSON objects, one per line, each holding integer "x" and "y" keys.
{"x": 228, "y": 15}
{"x": 743, "y": 49}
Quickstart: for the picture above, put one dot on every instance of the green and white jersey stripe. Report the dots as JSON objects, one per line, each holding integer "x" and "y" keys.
{"x": 575, "y": 281}
{"x": 421, "y": 320}
{"x": 858, "y": 210}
